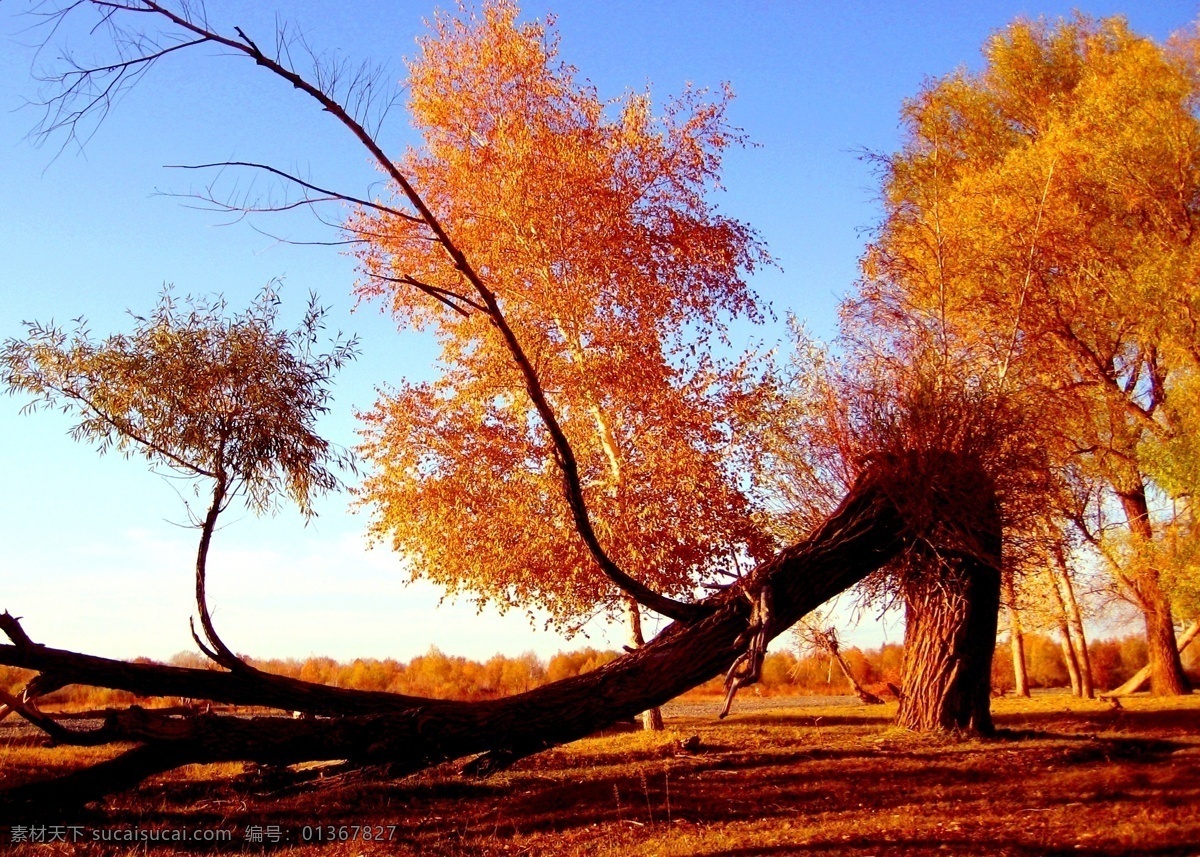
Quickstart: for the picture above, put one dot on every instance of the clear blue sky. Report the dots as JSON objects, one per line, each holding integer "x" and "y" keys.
{"x": 91, "y": 551}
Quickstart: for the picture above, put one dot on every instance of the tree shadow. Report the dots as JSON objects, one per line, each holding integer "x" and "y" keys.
{"x": 1000, "y": 786}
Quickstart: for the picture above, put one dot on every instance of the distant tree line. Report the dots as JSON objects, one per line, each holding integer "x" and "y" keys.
{"x": 784, "y": 673}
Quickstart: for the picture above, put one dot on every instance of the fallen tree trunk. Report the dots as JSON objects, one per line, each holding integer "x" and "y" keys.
{"x": 410, "y": 733}
{"x": 1142, "y": 677}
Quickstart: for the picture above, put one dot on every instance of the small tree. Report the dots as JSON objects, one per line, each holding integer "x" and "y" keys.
{"x": 227, "y": 401}
{"x": 814, "y": 636}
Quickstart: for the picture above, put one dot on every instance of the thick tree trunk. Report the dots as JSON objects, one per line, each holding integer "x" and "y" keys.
{"x": 1016, "y": 639}
{"x": 951, "y": 616}
{"x": 871, "y": 527}
{"x": 652, "y": 719}
{"x": 865, "y": 532}
{"x": 1167, "y": 677}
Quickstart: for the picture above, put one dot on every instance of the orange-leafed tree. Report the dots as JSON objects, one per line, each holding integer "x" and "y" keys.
{"x": 592, "y": 219}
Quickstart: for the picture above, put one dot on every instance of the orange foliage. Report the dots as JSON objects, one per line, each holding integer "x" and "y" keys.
{"x": 590, "y": 221}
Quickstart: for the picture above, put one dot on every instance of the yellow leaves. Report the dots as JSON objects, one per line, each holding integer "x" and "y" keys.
{"x": 1039, "y": 241}
{"x": 1029, "y": 193}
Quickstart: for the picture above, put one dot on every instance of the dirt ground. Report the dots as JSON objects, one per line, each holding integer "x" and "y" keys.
{"x": 777, "y": 777}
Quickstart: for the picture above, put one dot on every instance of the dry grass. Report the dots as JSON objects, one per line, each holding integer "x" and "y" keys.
{"x": 1066, "y": 776}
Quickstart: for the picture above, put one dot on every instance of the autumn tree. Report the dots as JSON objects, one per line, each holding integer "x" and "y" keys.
{"x": 227, "y": 401}
{"x": 724, "y": 632}
{"x": 593, "y": 220}
{"x": 1042, "y": 210}
{"x": 899, "y": 384}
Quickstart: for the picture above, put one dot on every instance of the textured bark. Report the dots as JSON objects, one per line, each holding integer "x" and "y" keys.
{"x": 952, "y": 610}
{"x": 410, "y": 733}
{"x": 1167, "y": 677}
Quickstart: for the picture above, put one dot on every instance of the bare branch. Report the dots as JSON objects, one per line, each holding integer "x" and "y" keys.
{"x": 328, "y": 195}
{"x": 446, "y": 296}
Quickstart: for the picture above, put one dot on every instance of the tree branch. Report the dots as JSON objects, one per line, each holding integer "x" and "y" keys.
{"x": 331, "y": 194}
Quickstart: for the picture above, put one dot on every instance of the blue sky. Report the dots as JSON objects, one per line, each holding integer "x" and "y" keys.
{"x": 92, "y": 551}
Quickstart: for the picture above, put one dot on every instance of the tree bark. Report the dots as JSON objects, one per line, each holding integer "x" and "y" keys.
{"x": 951, "y": 616}
{"x": 1142, "y": 676}
{"x": 1078, "y": 638}
{"x": 1070, "y": 656}
{"x": 1072, "y": 663}
{"x": 1167, "y": 677}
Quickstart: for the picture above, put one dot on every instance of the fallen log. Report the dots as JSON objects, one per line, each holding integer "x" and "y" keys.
{"x": 410, "y": 733}
{"x": 1142, "y": 677}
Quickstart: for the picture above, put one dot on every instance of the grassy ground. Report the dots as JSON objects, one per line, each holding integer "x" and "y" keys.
{"x": 1066, "y": 776}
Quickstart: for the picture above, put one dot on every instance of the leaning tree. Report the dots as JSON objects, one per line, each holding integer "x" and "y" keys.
{"x": 876, "y": 521}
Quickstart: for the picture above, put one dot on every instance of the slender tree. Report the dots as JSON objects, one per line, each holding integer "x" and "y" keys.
{"x": 1016, "y": 636}
{"x": 230, "y": 401}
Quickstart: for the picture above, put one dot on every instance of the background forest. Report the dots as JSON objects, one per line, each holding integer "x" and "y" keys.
{"x": 785, "y": 673}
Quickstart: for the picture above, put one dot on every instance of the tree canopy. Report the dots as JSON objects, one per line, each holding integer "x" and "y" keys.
{"x": 1039, "y": 228}
{"x": 229, "y": 400}
{"x": 591, "y": 220}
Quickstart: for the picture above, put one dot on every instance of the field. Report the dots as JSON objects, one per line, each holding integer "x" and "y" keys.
{"x": 777, "y": 777}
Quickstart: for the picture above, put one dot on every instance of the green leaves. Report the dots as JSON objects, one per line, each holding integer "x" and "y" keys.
{"x": 198, "y": 391}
